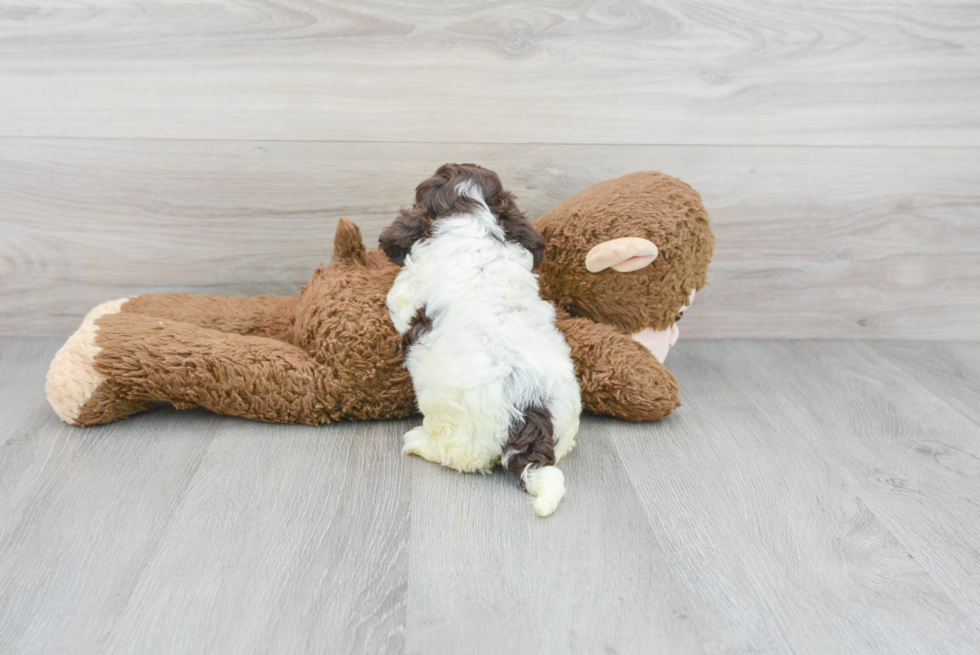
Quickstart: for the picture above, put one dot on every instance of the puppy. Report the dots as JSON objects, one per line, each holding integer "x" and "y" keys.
{"x": 493, "y": 375}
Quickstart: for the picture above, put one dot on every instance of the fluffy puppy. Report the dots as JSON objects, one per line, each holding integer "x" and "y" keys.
{"x": 493, "y": 376}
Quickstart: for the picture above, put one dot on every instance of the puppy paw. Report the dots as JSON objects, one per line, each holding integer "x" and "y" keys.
{"x": 547, "y": 485}
{"x": 419, "y": 442}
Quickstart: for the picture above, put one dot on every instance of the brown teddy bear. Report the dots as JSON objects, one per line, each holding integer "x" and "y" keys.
{"x": 622, "y": 261}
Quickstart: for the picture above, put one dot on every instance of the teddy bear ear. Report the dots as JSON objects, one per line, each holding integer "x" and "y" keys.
{"x": 348, "y": 247}
{"x": 623, "y": 255}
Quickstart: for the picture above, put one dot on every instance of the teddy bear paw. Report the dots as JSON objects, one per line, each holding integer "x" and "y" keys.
{"x": 72, "y": 378}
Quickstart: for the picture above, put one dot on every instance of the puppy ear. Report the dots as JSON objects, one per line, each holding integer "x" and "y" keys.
{"x": 397, "y": 239}
{"x": 434, "y": 197}
{"x": 516, "y": 226}
{"x": 437, "y": 195}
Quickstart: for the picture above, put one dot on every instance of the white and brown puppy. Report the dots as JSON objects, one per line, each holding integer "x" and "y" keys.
{"x": 493, "y": 375}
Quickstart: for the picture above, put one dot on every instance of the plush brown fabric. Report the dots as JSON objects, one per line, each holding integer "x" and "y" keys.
{"x": 255, "y": 377}
{"x": 617, "y": 375}
{"x": 262, "y": 316}
{"x": 343, "y": 323}
{"x": 331, "y": 353}
{"x": 340, "y": 358}
{"x": 653, "y": 206}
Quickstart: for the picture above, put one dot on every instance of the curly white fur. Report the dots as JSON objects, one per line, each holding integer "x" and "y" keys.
{"x": 547, "y": 485}
{"x": 493, "y": 349}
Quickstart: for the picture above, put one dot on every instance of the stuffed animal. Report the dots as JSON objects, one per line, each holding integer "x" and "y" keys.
{"x": 622, "y": 261}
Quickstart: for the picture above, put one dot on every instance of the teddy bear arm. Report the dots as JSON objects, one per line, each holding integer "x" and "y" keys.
{"x": 265, "y": 316}
{"x": 618, "y": 376}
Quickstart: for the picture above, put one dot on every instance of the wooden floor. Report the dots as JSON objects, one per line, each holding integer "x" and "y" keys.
{"x": 810, "y": 497}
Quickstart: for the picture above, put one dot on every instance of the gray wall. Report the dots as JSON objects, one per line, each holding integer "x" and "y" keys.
{"x": 211, "y": 146}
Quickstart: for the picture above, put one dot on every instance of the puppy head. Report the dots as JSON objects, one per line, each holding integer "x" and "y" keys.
{"x": 452, "y": 190}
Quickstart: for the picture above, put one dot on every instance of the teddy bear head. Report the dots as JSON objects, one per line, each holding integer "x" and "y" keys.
{"x": 629, "y": 252}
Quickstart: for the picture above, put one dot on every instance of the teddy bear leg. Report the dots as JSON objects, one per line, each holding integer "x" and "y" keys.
{"x": 74, "y": 386}
{"x": 131, "y": 360}
{"x": 263, "y": 316}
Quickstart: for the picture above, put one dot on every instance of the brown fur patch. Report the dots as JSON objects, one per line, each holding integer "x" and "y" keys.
{"x": 419, "y": 325}
{"x": 530, "y": 442}
{"x": 437, "y": 197}
{"x": 516, "y": 225}
{"x": 397, "y": 239}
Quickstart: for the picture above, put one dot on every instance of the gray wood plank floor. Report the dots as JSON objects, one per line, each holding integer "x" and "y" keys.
{"x": 810, "y": 497}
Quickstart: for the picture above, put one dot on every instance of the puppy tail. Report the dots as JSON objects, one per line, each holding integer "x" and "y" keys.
{"x": 529, "y": 455}
{"x": 547, "y": 485}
